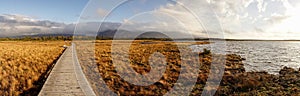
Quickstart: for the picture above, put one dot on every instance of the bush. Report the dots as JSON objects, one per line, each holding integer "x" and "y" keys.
{"x": 205, "y": 52}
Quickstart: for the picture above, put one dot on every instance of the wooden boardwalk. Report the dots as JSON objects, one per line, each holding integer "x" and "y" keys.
{"x": 67, "y": 78}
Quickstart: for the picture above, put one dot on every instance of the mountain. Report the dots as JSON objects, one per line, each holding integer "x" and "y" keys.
{"x": 124, "y": 34}
{"x": 107, "y": 30}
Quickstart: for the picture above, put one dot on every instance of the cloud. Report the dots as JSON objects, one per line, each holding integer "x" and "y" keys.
{"x": 261, "y": 6}
{"x": 238, "y": 18}
{"x": 258, "y": 30}
{"x": 276, "y": 18}
{"x": 176, "y": 17}
{"x": 246, "y": 3}
{"x": 233, "y": 15}
{"x": 16, "y": 25}
{"x": 169, "y": 19}
{"x": 244, "y": 18}
{"x": 230, "y": 7}
{"x": 102, "y": 12}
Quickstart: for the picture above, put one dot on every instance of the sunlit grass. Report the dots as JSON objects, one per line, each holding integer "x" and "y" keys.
{"x": 139, "y": 54}
{"x": 22, "y": 64}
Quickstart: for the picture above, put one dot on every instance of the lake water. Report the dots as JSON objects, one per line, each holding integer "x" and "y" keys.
{"x": 269, "y": 56}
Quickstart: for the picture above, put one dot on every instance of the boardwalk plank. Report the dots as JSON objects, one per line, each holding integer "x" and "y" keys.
{"x": 66, "y": 78}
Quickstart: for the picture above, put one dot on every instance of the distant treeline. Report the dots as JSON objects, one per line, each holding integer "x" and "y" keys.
{"x": 111, "y": 38}
{"x": 69, "y": 38}
{"x": 42, "y": 38}
{"x": 106, "y": 38}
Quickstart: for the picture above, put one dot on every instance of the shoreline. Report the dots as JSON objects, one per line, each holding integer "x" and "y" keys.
{"x": 235, "y": 81}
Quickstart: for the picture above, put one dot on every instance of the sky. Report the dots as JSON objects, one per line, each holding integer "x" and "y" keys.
{"x": 232, "y": 19}
{"x": 54, "y": 10}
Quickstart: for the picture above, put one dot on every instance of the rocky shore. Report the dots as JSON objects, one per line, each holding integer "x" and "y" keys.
{"x": 238, "y": 82}
{"x": 235, "y": 81}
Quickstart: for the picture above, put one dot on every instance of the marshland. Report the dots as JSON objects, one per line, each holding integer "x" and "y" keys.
{"x": 259, "y": 52}
{"x": 24, "y": 65}
{"x": 237, "y": 79}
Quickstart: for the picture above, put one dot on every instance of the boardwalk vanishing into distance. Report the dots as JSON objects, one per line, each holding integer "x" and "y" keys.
{"x": 67, "y": 78}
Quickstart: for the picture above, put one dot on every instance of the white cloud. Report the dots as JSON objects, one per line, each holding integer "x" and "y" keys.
{"x": 15, "y": 25}
{"x": 239, "y": 19}
{"x": 246, "y": 3}
{"x": 261, "y": 6}
{"x": 242, "y": 19}
{"x": 231, "y": 13}
{"x": 276, "y": 18}
{"x": 287, "y": 24}
{"x": 102, "y": 12}
{"x": 169, "y": 18}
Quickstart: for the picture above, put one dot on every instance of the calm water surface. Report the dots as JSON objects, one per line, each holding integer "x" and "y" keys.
{"x": 269, "y": 56}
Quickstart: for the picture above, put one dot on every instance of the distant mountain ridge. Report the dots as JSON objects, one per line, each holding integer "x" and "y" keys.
{"x": 129, "y": 34}
{"x": 106, "y": 30}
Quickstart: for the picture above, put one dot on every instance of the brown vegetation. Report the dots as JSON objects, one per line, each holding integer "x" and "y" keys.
{"x": 139, "y": 53}
{"x": 24, "y": 65}
{"x": 234, "y": 82}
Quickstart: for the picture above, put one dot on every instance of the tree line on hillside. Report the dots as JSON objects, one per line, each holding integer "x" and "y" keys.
{"x": 69, "y": 38}
{"x": 42, "y": 38}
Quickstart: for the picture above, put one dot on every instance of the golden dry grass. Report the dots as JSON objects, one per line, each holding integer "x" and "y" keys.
{"x": 22, "y": 64}
{"x": 235, "y": 80}
{"x": 139, "y": 53}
